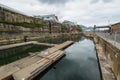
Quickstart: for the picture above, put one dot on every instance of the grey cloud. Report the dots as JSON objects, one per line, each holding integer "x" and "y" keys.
{"x": 54, "y": 1}
{"x": 94, "y": 1}
{"x": 105, "y": 1}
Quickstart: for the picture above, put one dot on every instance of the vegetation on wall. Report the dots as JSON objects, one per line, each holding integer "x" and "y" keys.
{"x": 24, "y": 24}
{"x": 56, "y": 27}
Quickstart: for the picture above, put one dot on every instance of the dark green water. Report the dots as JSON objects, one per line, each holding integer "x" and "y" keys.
{"x": 17, "y": 53}
{"x": 9, "y": 56}
{"x": 80, "y": 63}
{"x": 61, "y": 39}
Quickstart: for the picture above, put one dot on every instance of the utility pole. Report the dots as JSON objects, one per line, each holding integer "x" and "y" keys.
{"x": 50, "y": 27}
{"x": 115, "y": 38}
{"x": 110, "y": 29}
{"x": 94, "y": 28}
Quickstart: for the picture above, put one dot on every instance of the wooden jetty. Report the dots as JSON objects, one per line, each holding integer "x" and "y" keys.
{"x": 25, "y": 43}
{"x": 29, "y": 67}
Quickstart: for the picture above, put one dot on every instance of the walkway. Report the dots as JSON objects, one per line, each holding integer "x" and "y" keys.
{"x": 111, "y": 39}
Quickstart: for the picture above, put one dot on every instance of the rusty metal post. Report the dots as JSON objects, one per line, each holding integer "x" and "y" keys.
{"x": 50, "y": 27}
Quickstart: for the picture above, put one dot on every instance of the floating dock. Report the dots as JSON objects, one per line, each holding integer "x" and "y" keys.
{"x": 29, "y": 67}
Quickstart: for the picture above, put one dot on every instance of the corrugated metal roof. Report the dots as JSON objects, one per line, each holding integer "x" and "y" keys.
{"x": 11, "y": 9}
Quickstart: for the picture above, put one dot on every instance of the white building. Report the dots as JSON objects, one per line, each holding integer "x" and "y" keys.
{"x": 48, "y": 18}
{"x": 69, "y": 23}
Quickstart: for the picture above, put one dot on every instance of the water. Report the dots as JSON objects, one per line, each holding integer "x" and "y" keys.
{"x": 18, "y": 53}
{"x": 61, "y": 39}
{"x": 80, "y": 63}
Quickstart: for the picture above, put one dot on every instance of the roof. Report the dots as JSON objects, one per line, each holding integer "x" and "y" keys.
{"x": 69, "y": 23}
{"x": 43, "y": 16}
{"x": 103, "y": 26}
{"x": 11, "y": 9}
{"x": 51, "y": 17}
{"x": 116, "y": 23}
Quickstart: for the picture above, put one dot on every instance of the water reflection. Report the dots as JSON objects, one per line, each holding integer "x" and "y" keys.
{"x": 80, "y": 63}
{"x": 61, "y": 39}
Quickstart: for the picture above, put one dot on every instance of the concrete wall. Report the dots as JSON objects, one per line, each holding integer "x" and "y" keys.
{"x": 6, "y": 27}
{"x": 8, "y": 19}
{"x": 112, "y": 56}
{"x": 1, "y": 14}
{"x": 10, "y": 16}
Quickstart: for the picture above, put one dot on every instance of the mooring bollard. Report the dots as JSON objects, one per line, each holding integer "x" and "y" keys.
{"x": 25, "y": 38}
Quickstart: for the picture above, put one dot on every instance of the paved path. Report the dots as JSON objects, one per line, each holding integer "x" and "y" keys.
{"x": 110, "y": 40}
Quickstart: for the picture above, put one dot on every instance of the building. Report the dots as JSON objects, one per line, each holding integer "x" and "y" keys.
{"x": 69, "y": 23}
{"x": 71, "y": 27}
{"x": 11, "y": 15}
{"x": 8, "y": 14}
{"x": 13, "y": 20}
{"x": 115, "y": 27}
{"x": 52, "y": 18}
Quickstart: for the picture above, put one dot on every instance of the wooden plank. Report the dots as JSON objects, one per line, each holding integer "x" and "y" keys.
{"x": 31, "y": 71}
{"x": 25, "y": 43}
{"x": 40, "y": 61}
{"x": 44, "y": 44}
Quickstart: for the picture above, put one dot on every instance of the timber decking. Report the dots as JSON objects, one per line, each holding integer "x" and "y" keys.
{"x": 32, "y": 65}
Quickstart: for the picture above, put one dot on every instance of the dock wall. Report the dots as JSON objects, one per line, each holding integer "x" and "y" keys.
{"x": 108, "y": 57}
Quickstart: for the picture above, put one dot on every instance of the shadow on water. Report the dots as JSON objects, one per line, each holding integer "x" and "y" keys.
{"x": 80, "y": 63}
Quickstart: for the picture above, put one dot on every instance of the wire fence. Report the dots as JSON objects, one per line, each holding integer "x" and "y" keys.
{"x": 114, "y": 36}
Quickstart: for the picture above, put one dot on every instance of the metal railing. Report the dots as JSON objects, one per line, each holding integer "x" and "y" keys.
{"x": 113, "y": 38}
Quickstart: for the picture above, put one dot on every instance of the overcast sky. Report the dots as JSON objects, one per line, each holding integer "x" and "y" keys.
{"x": 86, "y": 12}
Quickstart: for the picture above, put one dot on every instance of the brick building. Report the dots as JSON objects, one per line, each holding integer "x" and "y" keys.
{"x": 115, "y": 27}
